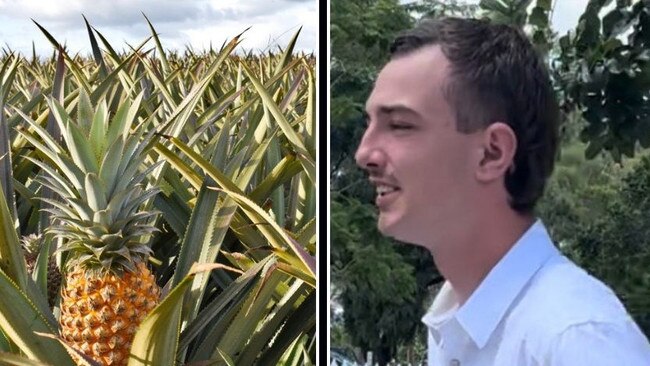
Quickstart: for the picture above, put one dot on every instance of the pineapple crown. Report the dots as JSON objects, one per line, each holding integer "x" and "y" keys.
{"x": 31, "y": 243}
{"x": 99, "y": 182}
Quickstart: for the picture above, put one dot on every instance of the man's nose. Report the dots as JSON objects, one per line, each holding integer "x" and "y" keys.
{"x": 369, "y": 156}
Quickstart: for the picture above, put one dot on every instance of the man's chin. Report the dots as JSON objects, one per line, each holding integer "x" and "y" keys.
{"x": 393, "y": 228}
{"x": 389, "y": 227}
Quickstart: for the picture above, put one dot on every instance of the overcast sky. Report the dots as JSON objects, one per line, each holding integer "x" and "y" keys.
{"x": 179, "y": 23}
{"x": 566, "y": 14}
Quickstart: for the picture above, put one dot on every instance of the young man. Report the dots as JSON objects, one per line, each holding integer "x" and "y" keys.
{"x": 461, "y": 138}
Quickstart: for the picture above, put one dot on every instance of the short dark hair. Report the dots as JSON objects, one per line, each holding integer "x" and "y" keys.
{"x": 498, "y": 73}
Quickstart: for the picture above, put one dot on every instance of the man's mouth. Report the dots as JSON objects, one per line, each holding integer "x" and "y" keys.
{"x": 383, "y": 190}
{"x": 386, "y": 195}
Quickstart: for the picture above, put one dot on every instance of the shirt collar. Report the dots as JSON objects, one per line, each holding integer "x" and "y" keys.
{"x": 487, "y": 305}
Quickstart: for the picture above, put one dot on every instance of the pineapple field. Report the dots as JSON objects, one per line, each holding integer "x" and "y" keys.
{"x": 157, "y": 207}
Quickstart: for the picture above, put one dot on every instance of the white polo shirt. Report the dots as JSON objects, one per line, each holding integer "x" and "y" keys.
{"x": 535, "y": 308}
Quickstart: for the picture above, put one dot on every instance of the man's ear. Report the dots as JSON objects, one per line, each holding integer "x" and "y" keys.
{"x": 499, "y": 145}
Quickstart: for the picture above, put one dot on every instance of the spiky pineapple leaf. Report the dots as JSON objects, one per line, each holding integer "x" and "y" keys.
{"x": 7, "y": 74}
{"x": 10, "y": 359}
{"x": 288, "y": 51}
{"x": 206, "y": 218}
{"x": 161, "y": 52}
{"x": 78, "y": 144}
{"x": 97, "y": 54}
{"x": 39, "y": 274}
{"x": 274, "y": 233}
{"x": 299, "y": 322}
{"x": 12, "y": 261}
{"x": 108, "y": 46}
{"x": 262, "y": 337}
{"x": 224, "y": 356}
{"x": 282, "y": 173}
{"x": 230, "y": 300}
{"x": 84, "y": 111}
{"x": 98, "y": 129}
{"x": 20, "y": 318}
{"x": 49, "y": 37}
{"x": 82, "y": 359}
{"x": 310, "y": 123}
{"x": 307, "y": 160}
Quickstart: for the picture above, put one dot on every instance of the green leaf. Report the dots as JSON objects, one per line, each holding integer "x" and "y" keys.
{"x": 97, "y": 54}
{"x": 263, "y": 336}
{"x": 253, "y": 312}
{"x": 538, "y": 17}
{"x": 10, "y": 359}
{"x": 97, "y": 136}
{"x": 84, "y": 111}
{"x": 20, "y": 318}
{"x": 95, "y": 193}
{"x": 544, "y": 4}
{"x": 110, "y": 165}
{"x": 7, "y": 75}
{"x": 161, "y": 52}
{"x": 49, "y": 37}
{"x": 77, "y": 143}
{"x": 310, "y": 123}
{"x": 494, "y": 6}
{"x": 81, "y": 358}
{"x": 296, "y": 142}
{"x": 282, "y": 173}
{"x": 198, "y": 235}
{"x": 229, "y": 361}
{"x": 39, "y": 274}
{"x": 271, "y": 230}
{"x": 12, "y": 261}
{"x": 588, "y": 31}
{"x": 616, "y": 22}
{"x": 288, "y": 51}
{"x": 227, "y": 302}
{"x": 300, "y": 321}
{"x": 123, "y": 119}
{"x": 593, "y": 149}
{"x": 108, "y": 46}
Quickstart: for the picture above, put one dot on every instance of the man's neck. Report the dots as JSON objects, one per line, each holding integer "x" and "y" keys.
{"x": 466, "y": 257}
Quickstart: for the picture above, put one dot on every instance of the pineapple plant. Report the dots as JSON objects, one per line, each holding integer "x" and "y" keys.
{"x": 108, "y": 287}
{"x": 32, "y": 245}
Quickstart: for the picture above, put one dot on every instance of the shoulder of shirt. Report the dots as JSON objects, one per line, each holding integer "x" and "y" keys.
{"x": 562, "y": 295}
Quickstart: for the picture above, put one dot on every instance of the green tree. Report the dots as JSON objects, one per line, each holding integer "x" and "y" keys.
{"x": 376, "y": 280}
{"x": 616, "y": 246}
{"x": 603, "y": 71}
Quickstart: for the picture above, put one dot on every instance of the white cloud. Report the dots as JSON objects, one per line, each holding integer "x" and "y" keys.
{"x": 193, "y": 23}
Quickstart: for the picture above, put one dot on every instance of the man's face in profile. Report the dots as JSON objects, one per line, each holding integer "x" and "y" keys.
{"x": 419, "y": 163}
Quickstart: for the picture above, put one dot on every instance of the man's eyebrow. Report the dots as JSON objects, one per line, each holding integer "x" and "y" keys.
{"x": 393, "y": 109}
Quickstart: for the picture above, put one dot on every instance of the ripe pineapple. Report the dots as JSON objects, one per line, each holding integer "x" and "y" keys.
{"x": 108, "y": 288}
{"x": 32, "y": 246}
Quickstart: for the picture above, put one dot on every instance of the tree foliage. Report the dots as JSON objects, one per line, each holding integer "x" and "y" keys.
{"x": 376, "y": 282}
{"x": 595, "y": 205}
{"x": 603, "y": 70}
{"x": 615, "y": 247}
